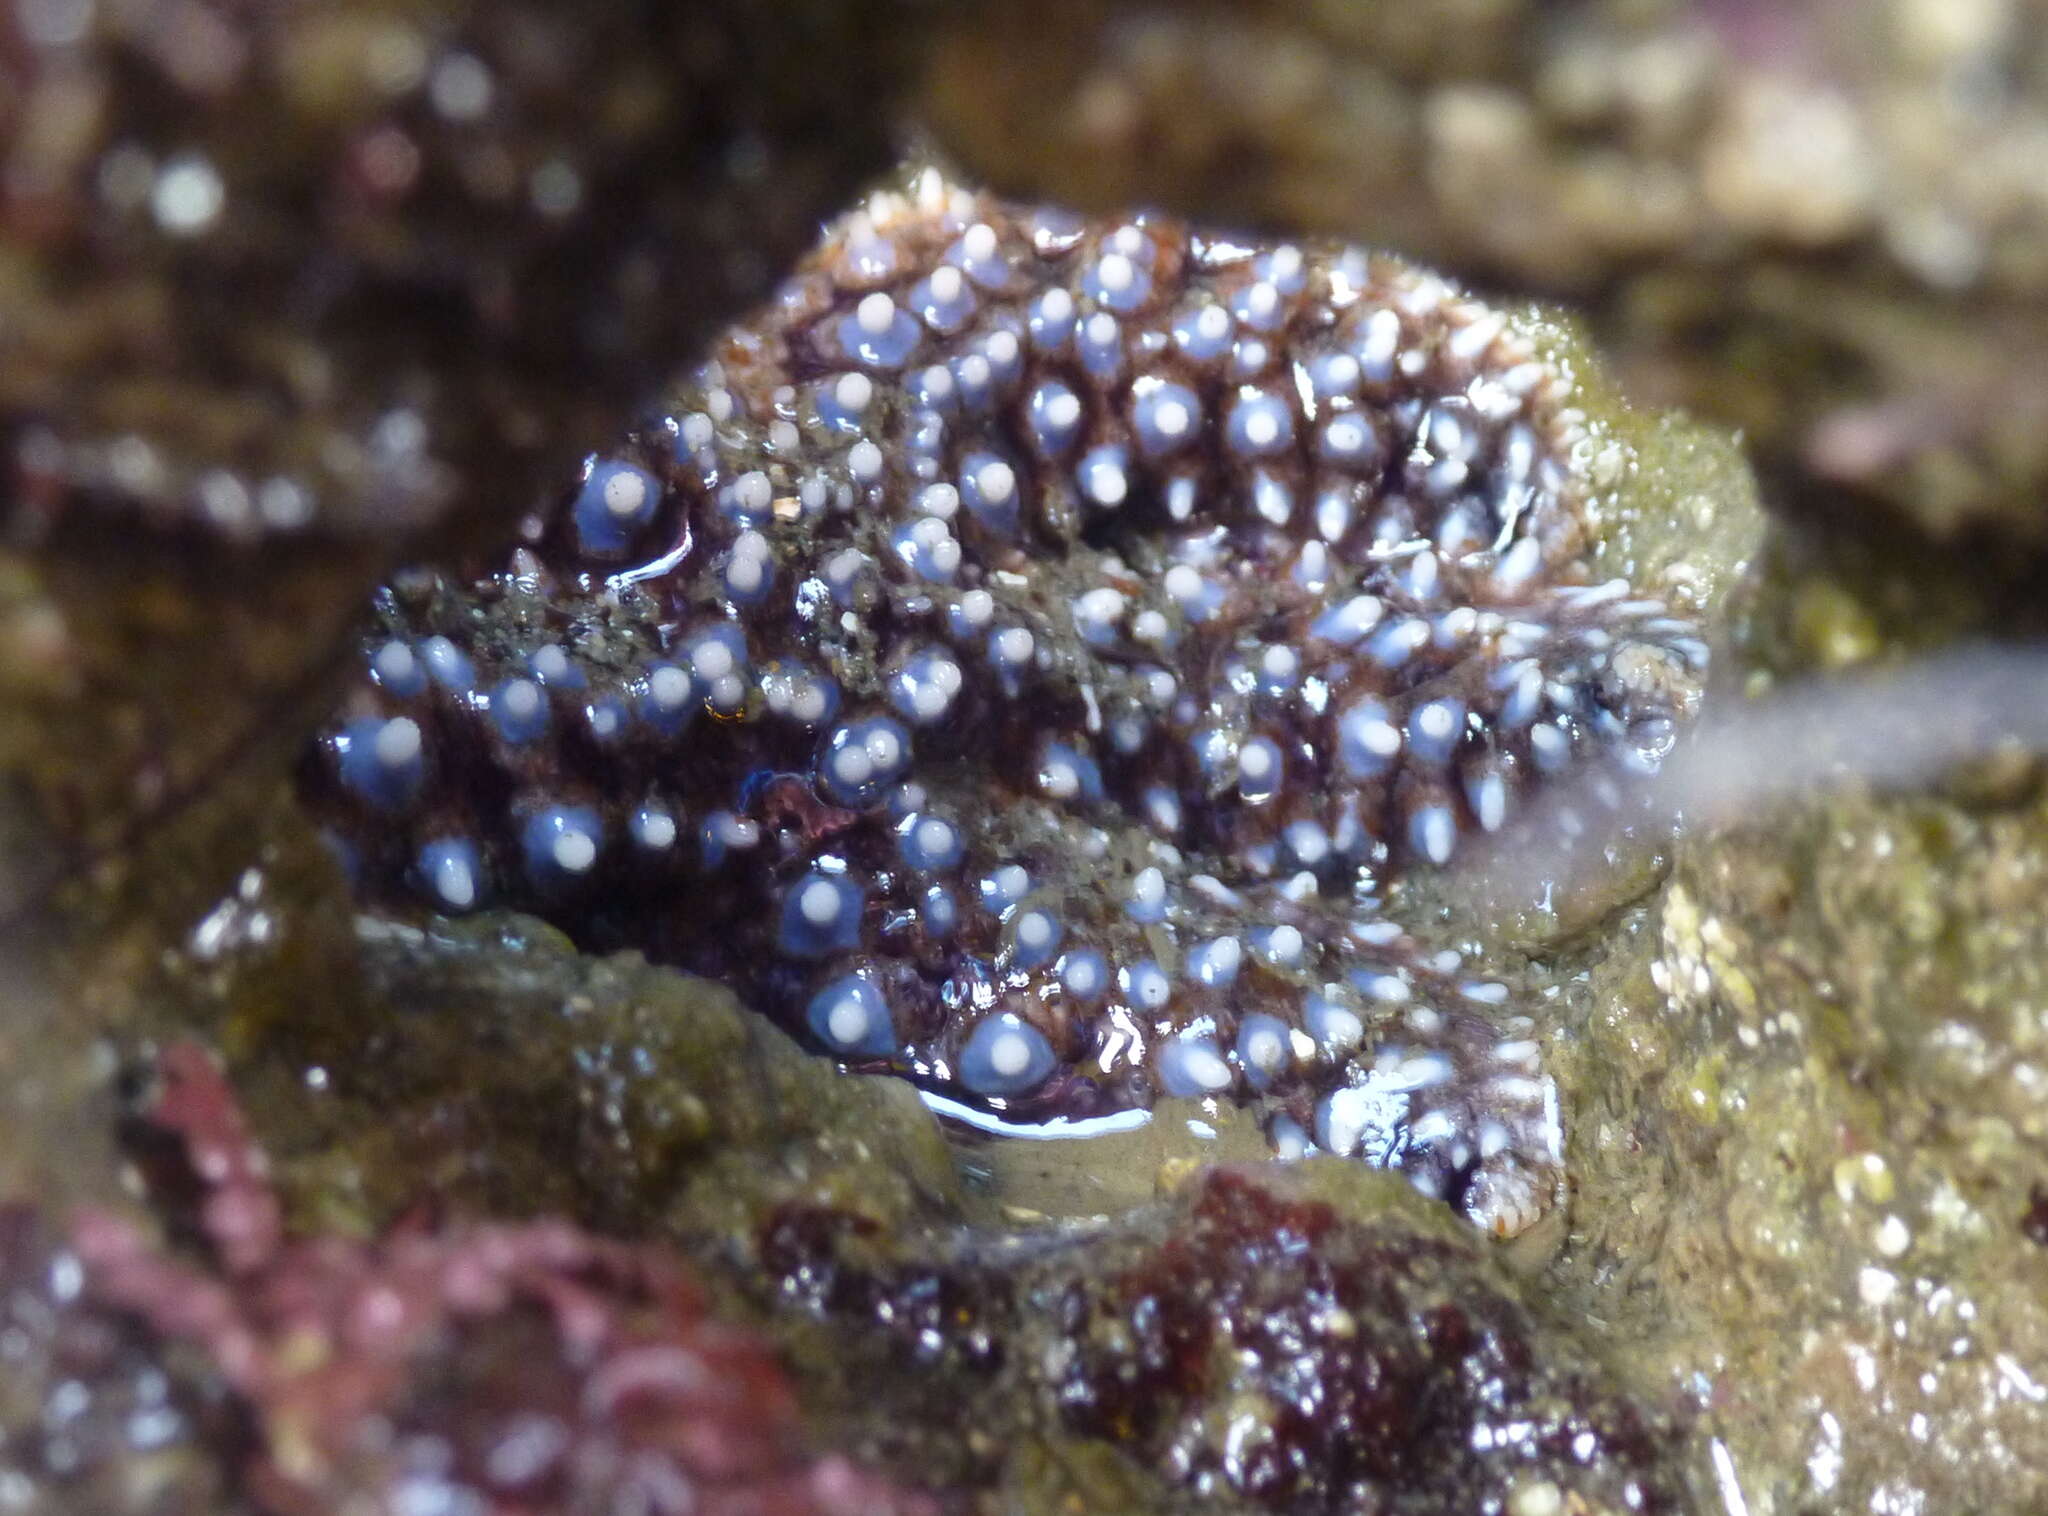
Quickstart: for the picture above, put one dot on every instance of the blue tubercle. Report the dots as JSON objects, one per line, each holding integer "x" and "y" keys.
{"x": 1004, "y": 1056}
{"x": 380, "y": 761}
{"x": 616, "y": 501}
{"x": 451, "y": 871}
{"x": 561, "y": 845}
{"x": 821, "y": 915}
{"x": 851, "y": 1017}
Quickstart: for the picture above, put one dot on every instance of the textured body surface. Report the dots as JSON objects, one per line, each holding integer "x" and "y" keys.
{"x": 1024, "y": 659}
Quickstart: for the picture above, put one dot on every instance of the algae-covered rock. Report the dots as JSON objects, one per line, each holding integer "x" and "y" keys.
{"x": 490, "y": 1064}
{"x": 1808, "y": 1109}
{"x": 496, "y": 1369}
{"x": 89, "y": 1418}
{"x": 1308, "y": 1340}
{"x": 654, "y": 1100}
{"x": 1810, "y": 1143}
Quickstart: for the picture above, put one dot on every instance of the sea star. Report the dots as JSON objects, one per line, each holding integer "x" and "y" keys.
{"x": 1022, "y": 658}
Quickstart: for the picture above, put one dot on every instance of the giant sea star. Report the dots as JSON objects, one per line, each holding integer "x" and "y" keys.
{"x": 1022, "y": 659}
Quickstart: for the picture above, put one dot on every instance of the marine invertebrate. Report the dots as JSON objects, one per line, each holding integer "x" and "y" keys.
{"x": 489, "y": 1368}
{"x": 1023, "y": 658}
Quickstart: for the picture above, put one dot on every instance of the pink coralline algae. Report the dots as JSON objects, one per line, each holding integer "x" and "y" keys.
{"x": 1023, "y": 657}
{"x": 484, "y": 1369}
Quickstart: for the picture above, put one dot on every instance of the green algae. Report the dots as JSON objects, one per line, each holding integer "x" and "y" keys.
{"x": 1808, "y": 1132}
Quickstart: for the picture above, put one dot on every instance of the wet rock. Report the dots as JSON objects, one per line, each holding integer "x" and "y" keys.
{"x": 494, "y": 1065}
{"x": 1810, "y": 1105}
{"x": 1292, "y": 1341}
{"x": 1313, "y": 1356}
